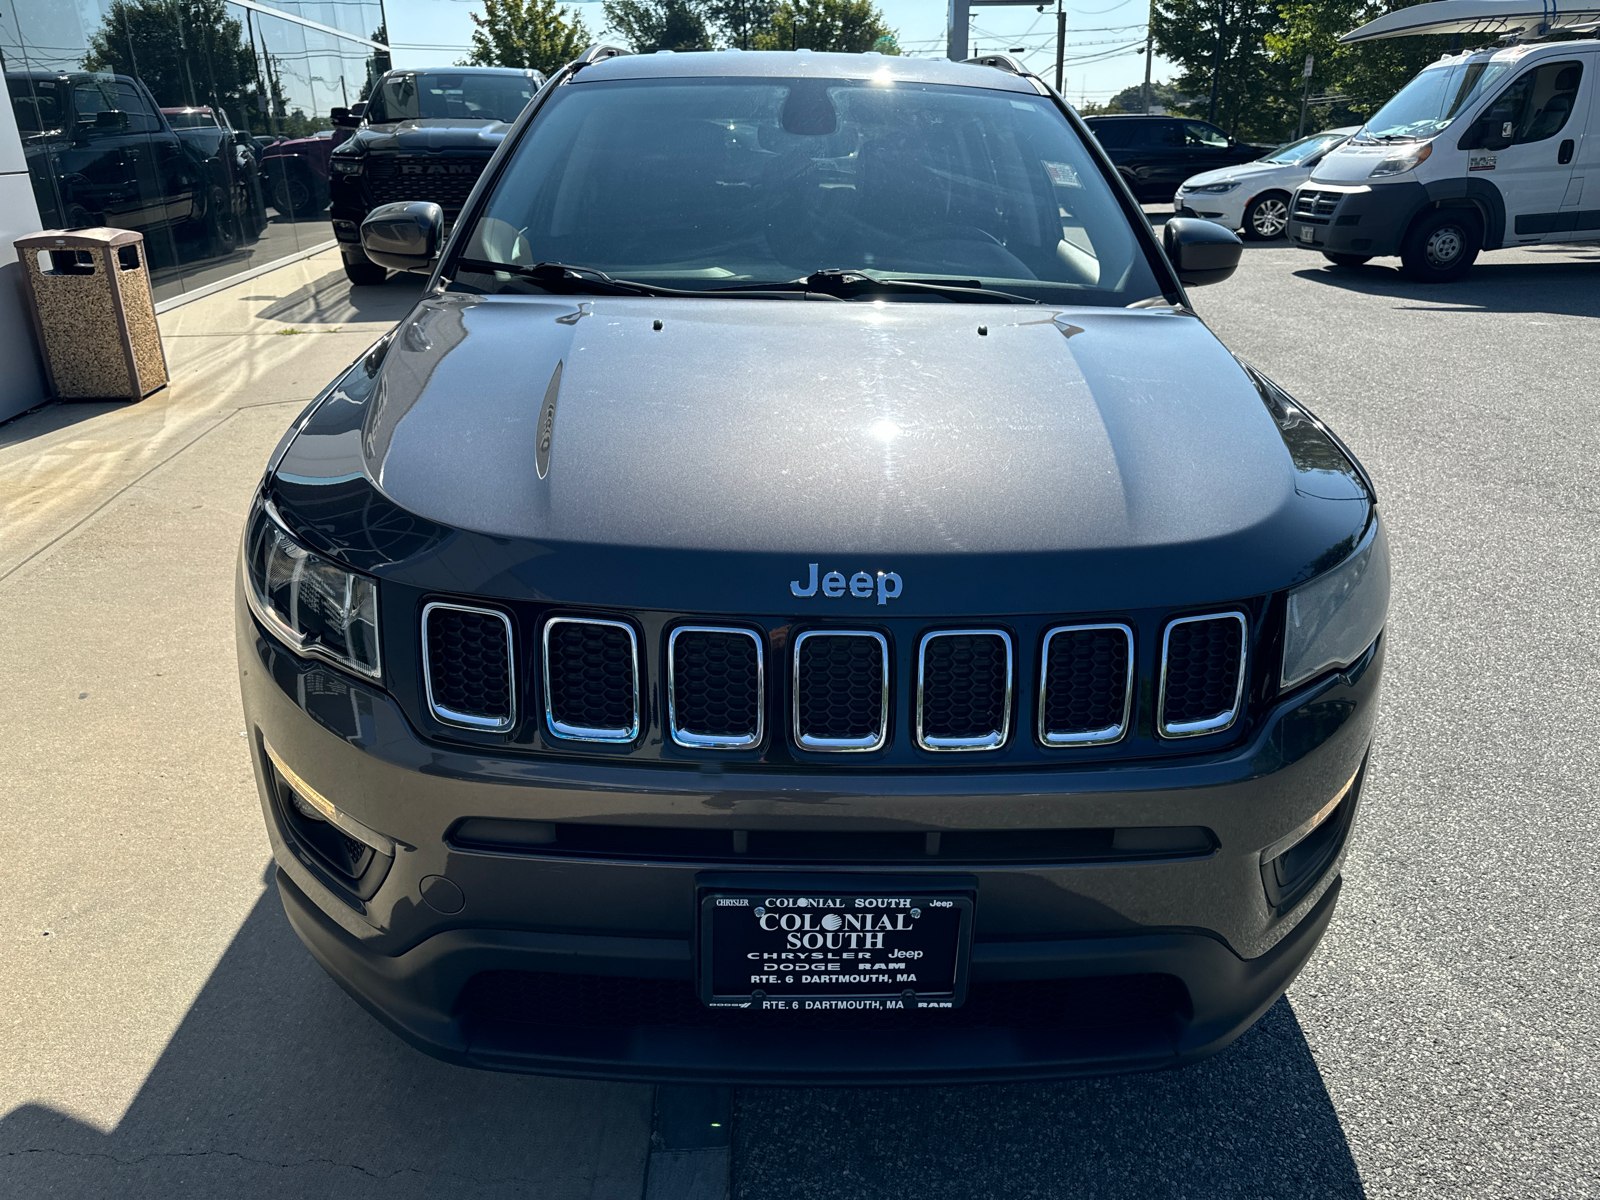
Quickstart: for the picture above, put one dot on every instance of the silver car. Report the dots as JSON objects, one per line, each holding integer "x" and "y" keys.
{"x": 1253, "y": 197}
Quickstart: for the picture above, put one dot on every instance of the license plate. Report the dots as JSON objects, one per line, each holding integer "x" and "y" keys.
{"x": 828, "y": 949}
{"x": 1306, "y": 233}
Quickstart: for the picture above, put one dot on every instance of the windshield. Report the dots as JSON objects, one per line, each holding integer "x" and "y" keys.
{"x": 465, "y": 96}
{"x": 1298, "y": 152}
{"x": 1433, "y": 99}
{"x": 705, "y": 183}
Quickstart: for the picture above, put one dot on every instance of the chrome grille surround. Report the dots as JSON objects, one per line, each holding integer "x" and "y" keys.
{"x": 1222, "y": 720}
{"x": 1088, "y": 737}
{"x": 461, "y": 719}
{"x": 994, "y": 740}
{"x": 843, "y": 745}
{"x": 580, "y": 733}
{"x": 704, "y": 741}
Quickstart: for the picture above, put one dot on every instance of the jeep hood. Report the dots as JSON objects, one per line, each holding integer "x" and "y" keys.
{"x": 782, "y": 433}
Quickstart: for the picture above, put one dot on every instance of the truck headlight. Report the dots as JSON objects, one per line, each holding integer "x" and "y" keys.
{"x": 1406, "y": 160}
{"x": 346, "y": 166}
{"x": 1340, "y": 613}
{"x": 316, "y": 606}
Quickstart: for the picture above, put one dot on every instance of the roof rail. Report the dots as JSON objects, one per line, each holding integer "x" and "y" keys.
{"x": 1001, "y": 62}
{"x": 599, "y": 52}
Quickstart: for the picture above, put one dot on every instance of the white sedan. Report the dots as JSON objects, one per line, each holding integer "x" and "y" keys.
{"x": 1254, "y": 197}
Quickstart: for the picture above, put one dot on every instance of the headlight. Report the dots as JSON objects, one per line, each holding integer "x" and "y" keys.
{"x": 1340, "y": 613}
{"x": 1215, "y": 189}
{"x": 1406, "y": 160}
{"x": 314, "y": 605}
{"x": 346, "y": 166}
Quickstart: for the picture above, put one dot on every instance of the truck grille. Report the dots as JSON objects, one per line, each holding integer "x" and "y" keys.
{"x": 591, "y": 680}
{"x": 841, "y": 691}
{"x": 467, "y": 666}
{"x": 446, "y": 180}
{"x": 964, "y": 690}
{"x": 715, "y": 687}
{"x": 1202, "y": 674}
{"x": 1085, "y": 685}
{"x": 1314, "y": 207}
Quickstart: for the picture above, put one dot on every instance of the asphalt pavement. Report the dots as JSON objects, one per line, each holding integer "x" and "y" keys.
{"x": 166, "y": 1034}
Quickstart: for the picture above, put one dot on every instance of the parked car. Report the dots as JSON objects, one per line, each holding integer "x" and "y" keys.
{"x": 803, "y": 598}
{"x": 234, "y": 160}
{"x": 100, "y": 152}
{"x": 421, "y": 135}
{"x": 294, "y": 172}
{"x": 1155, "y": 154}
{"x": 1254, "y": 196}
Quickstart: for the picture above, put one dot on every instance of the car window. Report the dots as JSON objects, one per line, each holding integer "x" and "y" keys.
{"x": 1167, "y": 134}
{"x": 1113, "y": 135}
{"x": 1305, "y": 148}
{"x": 1536, "y": 105}
{"x": 142, "y": 117}
{"x": 703, "y": 182}
{"x": 1198, "y": 133}
{"x": 464, "y": 96}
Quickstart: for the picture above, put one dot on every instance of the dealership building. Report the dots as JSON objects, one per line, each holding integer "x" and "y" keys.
{"x": 202, "y": 124}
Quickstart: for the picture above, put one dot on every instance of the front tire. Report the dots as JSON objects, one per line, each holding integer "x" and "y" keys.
{"x": 1267, "y": 217}
{"x": 1441, "y": 245}
{"x": 365, "y": 274}
{"x": 1349, "y": 261}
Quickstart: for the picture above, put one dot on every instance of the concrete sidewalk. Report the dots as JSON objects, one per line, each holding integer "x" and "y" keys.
{"x": 165, "y": 1032}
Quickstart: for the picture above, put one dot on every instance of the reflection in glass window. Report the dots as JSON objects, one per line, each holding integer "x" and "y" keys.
{"x": 467, "y": 95}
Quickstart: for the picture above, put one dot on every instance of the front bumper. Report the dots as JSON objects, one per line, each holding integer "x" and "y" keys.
{"x": 417, "y": 953}
{"x": 1356, "y": 219}
{"x": 1226, "y": 210}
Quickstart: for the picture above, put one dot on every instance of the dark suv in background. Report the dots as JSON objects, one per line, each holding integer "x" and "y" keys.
{"x": 421, "y": 135}
{"x": 1155, "y": 154}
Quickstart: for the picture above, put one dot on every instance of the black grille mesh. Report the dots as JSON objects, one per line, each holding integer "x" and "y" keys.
{"x": 469, "y": 663}
{"x": 1202, "y": 669}
{"x": 1085, "y": 681}
{"x": 445, "y": 180}
{"x": 839, "y": 687}
{"x": 716, "y": 683}
{"x": 604, "y": 1001}
{"x": 963, "y": 685}
{"x": 590, "y": 675}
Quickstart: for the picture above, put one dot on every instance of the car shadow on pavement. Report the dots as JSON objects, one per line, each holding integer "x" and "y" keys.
{"x": 1556, "y": 288}
{"x": 334, "y": 300}
{"x": 1254, "y": 1121}
{"x": 277, "y": 1084}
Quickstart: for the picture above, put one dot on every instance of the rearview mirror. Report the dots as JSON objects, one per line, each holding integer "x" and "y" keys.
{"x": 403, "y": 236}
{"x": 1201, "y": 252}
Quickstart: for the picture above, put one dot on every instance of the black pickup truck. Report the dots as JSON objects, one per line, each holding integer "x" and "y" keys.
{"x": 420, "y": 135}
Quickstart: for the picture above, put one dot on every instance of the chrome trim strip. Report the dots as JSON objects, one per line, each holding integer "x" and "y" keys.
{"x": 715, "y": 741}
{"x": 583, "y": 733}
{"x": 1184, "y": 729}
{"x": 1087, "y": 737}
{"x": 467, "y": 720}
{"x": 1307, "y": 827}
{"x": 993, "y": 740}
{"x": 335, "y": 816}
{"x": 843, "y": 745}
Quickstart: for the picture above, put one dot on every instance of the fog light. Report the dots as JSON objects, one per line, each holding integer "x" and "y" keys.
{"x": 312, "y": 803}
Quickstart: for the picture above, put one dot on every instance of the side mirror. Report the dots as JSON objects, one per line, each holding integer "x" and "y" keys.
{"x": 406, "y": 236}
{"x": 341, "y": 119}
{"x": 358, "y": 110}
{"x": 1202, "y": 252}
{"x": 111, "y": 118}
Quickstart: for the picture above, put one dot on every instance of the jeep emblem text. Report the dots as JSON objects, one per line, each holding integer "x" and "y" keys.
{"x": 859, "y": 585}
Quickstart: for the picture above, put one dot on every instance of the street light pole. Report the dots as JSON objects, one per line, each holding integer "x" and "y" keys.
{"x": 1061, "y": 39}
{"x": 1305, "y": 95}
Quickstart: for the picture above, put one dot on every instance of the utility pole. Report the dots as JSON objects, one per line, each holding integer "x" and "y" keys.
{"x": 1216, "y": 66}
{"x": 1061, "y": 39}
{"x": 1305, "y": 96}
{"x": 1149, "y": 53}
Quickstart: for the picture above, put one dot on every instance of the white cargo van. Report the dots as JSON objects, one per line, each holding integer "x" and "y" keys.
{"x": 1482, "y": 150}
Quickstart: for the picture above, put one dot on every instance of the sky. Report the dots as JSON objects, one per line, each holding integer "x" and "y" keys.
{"x": 1102, "y": 36}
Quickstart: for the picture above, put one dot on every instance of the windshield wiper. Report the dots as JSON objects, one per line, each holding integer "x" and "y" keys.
{"x": 565, "y": 278}
{"x": 846, "y": 284}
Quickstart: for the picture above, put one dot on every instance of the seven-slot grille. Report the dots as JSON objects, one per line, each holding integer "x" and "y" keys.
{"x": 1202, "y": 674}
{"x": 964, "y": 690}
{"x": 715, "y": 683}
{"x": 1085, "y": 685}
{"x": 446, "y": 180}
{"x": 841, "y": 690}
{"x": 467, "y": 666}
{"x": 1314, "y": 207}
{"x": 591, "y": 680}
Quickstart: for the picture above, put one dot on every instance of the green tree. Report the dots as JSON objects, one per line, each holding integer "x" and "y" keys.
{"x": 741, "y": 21}
{"x": 651, "y": 25}
{"x": 533, "y": 34}
{"x": 848, "y": 26}
{"x": 1226, "y": 67}
{"x": 187, "y": 52}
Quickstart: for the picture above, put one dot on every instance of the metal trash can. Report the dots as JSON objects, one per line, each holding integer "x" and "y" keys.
{"x": 94, "y": 313}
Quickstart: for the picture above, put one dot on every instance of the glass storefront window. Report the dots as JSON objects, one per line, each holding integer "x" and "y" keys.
{"x": 203, "y": 124}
